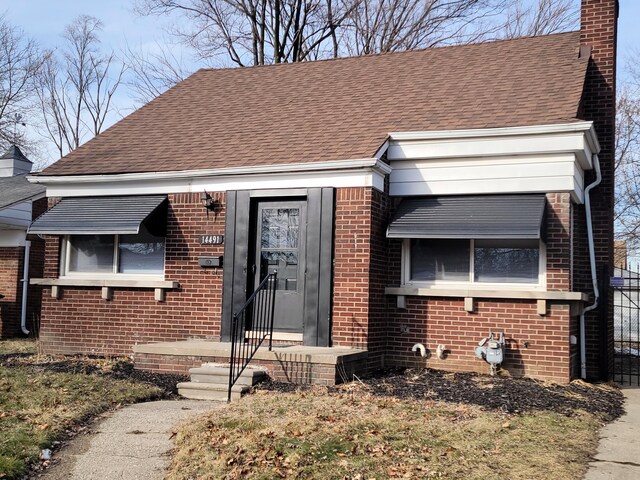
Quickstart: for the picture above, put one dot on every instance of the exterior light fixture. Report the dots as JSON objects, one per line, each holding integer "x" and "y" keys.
{"x": 209, "y": 202}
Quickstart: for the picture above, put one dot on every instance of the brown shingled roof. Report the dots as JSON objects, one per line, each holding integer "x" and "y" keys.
{"x": 338, "y": 109}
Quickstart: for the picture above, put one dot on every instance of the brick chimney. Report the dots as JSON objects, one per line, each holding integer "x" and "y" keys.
{"x": 598, "y": 33}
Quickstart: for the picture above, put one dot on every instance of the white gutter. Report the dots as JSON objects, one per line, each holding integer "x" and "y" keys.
{"x": 25, "y": 287}
{"x": 594, "y": 273}
{"x": 292, "y": 168}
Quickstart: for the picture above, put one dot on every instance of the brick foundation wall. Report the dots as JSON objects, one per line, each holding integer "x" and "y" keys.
{"x": 302, "y": 373}
{"x": 537, "y": 346}
{"x": 599, "y": 31}
{"x": 82, "y": 322}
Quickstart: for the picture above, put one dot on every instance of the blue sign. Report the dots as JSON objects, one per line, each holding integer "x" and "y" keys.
{"x": 617, "y": 282}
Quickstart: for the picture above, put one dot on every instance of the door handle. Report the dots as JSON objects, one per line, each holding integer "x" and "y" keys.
{"x": 253, "y": 269}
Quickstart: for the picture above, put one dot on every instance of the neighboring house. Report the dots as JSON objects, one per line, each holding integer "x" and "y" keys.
{"x": 425, "y": 197}
{"x": 20, "y": 203}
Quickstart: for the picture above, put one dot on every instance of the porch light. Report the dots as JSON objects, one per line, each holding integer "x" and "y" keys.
{"x": 209, "y": 202}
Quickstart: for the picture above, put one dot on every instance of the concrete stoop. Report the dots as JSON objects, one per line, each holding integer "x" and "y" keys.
{"x": 211, "y": 382}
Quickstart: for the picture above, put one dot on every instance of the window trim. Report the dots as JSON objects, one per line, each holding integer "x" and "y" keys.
{"x": 65, "y": 273}
{"x": 470, "y": 283}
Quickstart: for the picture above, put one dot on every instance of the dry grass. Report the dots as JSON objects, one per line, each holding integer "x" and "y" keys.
{"x": 38, "y": 404}
{"x": 316, "y": 434}
{"x": 18, "y": 346}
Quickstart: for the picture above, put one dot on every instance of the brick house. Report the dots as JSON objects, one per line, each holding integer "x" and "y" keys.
{"x": 425, "y": 197}
{"x": 20, "y": 203}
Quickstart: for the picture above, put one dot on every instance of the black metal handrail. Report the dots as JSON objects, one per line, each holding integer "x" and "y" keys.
{"x": 251, "y": 325}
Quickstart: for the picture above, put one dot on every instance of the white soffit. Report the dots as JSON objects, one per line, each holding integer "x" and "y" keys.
{"x": 367, "y": 172}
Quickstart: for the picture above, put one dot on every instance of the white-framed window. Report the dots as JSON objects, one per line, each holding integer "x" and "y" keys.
{"x": 502, "y": 263}
{"x": 140, "y": 255}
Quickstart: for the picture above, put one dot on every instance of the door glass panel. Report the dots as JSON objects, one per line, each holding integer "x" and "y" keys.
{"x": 279, "y": 236}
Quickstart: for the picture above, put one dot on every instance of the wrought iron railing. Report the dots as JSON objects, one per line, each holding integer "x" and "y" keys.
{"x": 251, "y": 325}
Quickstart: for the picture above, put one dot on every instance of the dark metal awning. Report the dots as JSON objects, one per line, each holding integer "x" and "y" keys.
{"x": 473, "y": 216}
{"x": 99, "y": 215}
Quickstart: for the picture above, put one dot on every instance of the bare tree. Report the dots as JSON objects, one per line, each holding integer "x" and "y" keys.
{"x": 541, "y": 17}
{"x": 20, "y": 60}
{"x": 378, "y": 26}
{"x": 153, "y": 73}
{"x": 627, "y": 169}
{"x": 76, "y": 86}
{"x": 257, "y": 32}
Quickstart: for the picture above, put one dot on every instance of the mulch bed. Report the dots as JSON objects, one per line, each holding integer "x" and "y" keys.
{"x": 500, "y": 393}
{"x": 506, "y": 394}
{"x": 119, "y": 369}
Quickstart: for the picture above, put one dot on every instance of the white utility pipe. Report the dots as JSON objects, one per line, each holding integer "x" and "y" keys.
{"x": 594, "y": 273}
{"x": 25, "y": 286}
{"x": 421, "y": 348}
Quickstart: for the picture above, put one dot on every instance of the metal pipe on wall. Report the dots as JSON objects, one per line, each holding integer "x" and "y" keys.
{"x": 25, "y": 287}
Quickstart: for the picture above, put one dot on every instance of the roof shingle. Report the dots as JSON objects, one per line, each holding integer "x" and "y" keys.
{"x": 338, "y": 109}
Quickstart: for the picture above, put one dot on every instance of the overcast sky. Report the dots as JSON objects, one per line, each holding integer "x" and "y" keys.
{"x": 44, "y": 20}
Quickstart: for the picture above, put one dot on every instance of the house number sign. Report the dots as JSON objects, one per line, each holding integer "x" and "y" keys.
{"x": 211, "y": 239}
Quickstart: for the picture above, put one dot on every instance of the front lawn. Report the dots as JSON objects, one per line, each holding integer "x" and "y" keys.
{"x": 397, "y": 427}
{"x": 41, "y": 399}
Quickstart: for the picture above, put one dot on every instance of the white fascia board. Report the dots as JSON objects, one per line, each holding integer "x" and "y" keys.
{"x": 368, "y": 172}
{"x": 578, "y": 138}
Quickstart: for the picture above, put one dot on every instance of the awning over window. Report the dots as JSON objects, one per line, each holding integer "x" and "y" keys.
{"x": 473, "y": 216}
{"x": 102, "y": 215}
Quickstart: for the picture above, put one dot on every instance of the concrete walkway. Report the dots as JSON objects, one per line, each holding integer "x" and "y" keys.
{"x": 131, "y": 443}
{"x": 618, "y": 455}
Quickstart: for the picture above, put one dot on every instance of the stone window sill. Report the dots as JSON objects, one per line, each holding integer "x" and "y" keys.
{"x": 469, "y": 294}
{"x": 107, "y": 285}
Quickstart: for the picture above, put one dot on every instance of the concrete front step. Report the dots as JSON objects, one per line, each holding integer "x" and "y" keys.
{"x": 211, "y": 382}
{"x": 210, "y": 391}
{"x": 219, "y": 374}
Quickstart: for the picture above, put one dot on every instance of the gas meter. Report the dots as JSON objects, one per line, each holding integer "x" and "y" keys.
{"x": 491, "y": 349}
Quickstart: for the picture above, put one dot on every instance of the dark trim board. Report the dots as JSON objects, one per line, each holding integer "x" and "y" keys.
{"x": 319, "y": 258}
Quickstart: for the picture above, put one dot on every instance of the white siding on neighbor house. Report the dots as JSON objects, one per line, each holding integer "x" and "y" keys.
{"x": 16, "y": 216}
{"x": 493, "y": 174}
{"x": 12, "y": 238}
{"x": 10, "y": 167}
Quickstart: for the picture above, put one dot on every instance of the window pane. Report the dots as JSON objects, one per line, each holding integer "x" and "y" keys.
{"x": 91, "y": 253}
{"x": 141, "y": 253}
{"x": 280, "y": 227}
{"x": 439, "y": 260}
{"x": 506, "y": 261}
{"x": 280, "y": 230}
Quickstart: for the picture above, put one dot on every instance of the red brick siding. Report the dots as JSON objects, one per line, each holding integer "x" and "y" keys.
{"x": 434, "y": 321}
{"x": 81, "y": 322}
{"x": 11, "y": 272}
{"x": 352, "y": 253}
{"x": 11, "y": 261}
{"x": 599, "y": 31}
{"x": 558, "y": 241}
{"x": 36, "y": 270}
{"x": 378, "y": 279}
